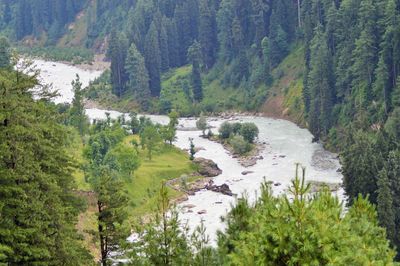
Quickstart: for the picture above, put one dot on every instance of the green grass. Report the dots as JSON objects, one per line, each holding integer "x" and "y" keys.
{"x": 168, "y": 162}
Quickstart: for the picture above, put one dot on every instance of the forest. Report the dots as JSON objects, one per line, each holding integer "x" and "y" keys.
{"x": 194, "y": 56}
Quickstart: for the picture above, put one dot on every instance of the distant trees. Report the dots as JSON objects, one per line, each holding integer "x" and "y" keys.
{"x": 138, "y": 78}
{"x": 194, "y": 55}
{"x": 117, "y": 52}
{"x": 153, "y": 60}
{"x": 33, "y": 17}
{"x": 5, "y": 52}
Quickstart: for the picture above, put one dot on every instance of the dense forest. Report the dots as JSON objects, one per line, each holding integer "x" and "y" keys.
{"x": 349, "y": 100}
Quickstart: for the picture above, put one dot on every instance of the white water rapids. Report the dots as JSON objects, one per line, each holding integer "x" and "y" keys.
{"x": 286, "y": 145}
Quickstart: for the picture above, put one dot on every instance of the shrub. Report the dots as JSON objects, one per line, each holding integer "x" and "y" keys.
{"x": 225, "y": 130}
{"x": 239, "y": 145}
{"x": 249, "y": 131}
{"x": 201, "y": 124}
{"x": 236, "y": 127}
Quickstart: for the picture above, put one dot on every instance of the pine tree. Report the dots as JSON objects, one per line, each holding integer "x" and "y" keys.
{"x": 164, "y": 48}
{"x": 111, "y": 202}
{"x": 138, "y": 83}
{"x": 77, "y": 112}
{"x": 385, "y": 205}
{"x": 194, "y": 55}
{"x": 117, "y": 52}
{"x": 152, "y": 57}
{"x": 207, "y": 33}
{"x": 38, "y": 207}
{"x": 5, "y": 54}
{"x": 321, "y": 85}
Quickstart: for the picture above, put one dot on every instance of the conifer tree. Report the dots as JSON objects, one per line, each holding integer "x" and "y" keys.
{"x": 38, "y": 207}
{"x": 152, "y": 57}
{"x": 194, "y": 55}
{"x": 138, "y": 83}
{"x": 77, "y": 112}
{"x": 207, "y": 33}
{"x": 5, "y": 54}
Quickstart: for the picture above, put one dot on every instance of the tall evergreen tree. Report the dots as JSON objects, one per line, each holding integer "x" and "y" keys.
{"x": 5, "y": 54}
{"x": 194, "y": 55}
{"x": 321, "y": 86}
{"x": 138, "y": 83}
{"x": 152, "y": 57}
{"x": 208, "y": 33}
{"x": 117, "y": 52}
{"x": 77, "y": 112}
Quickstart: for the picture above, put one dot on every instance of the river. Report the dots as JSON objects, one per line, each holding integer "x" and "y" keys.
{"x": 286, "y": 145}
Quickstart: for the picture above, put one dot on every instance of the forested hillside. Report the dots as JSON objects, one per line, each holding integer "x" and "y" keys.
{"x": 334, "y": 65}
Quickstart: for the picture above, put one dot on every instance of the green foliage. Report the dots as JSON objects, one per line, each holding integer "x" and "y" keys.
{"x": 110, "y": 164}
{"x": 150, "y": 138}
{"x": 314, "y": 232}
{"x": 5, "y": 53}
{"x": 202, "y": 124}
{"x": 38, "y": 206}
{"x": 240, "y": 145}
{"x": 138, "y": 78}
{"x": 249, "y": 131}
{"x": 225, "y": 130}
{"x": 162, "y": 241}
{"x": 194, "y": 55}
{"x": 77, "y": 115}
{"x": 192, "y": 150}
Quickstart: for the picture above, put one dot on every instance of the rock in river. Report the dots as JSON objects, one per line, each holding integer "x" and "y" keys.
{"x": 207, "y": 167}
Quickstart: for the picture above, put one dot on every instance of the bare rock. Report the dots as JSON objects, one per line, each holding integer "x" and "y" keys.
{"x": 277, "y": 184}
{"x": 189, "y": 206}
{"x": 202, "y": 212}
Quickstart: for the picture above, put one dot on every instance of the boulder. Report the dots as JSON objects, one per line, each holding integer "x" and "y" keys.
{"x": 223, "y": 189}
{"x": 202, "y": 212}
{"x": 207, "y": 167}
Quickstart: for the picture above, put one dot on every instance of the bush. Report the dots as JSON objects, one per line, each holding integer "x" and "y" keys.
{"x": 201, "y": 124}
{"x": 249, "y": 131}
{"x": 236, "y": 127}
{"x": 225, "y": 130}
{"x": 240, "y": 145}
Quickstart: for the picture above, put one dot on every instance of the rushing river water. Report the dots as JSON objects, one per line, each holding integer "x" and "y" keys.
{"x": 286, "y": 145}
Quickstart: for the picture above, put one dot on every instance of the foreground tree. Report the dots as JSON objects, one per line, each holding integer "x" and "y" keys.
{"x": 110, "y": 165}
{"x": 303, "y": 230}
{"x": 162, "y": 241}
{"x": 38, "y": 207}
